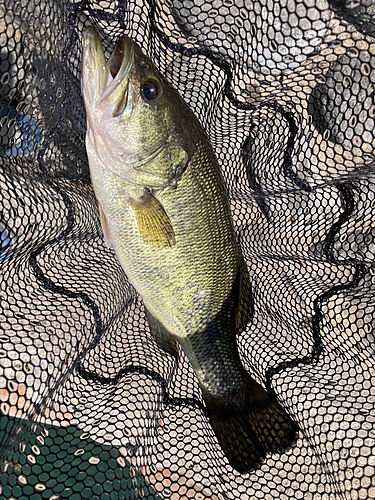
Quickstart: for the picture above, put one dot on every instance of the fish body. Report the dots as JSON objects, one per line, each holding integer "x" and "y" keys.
{"x": 165, "y": 212}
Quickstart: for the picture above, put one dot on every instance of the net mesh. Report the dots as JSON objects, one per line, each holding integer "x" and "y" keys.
{"x": 90, "y": 406}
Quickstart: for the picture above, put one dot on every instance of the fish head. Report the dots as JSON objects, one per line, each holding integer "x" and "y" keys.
{"x": 137, "y": 124}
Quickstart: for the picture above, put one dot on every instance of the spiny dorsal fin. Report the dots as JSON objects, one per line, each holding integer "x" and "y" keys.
{"x": 153, "y": 223}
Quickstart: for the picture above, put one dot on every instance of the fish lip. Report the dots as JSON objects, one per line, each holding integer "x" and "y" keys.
{"x": 94, "y": 70}
{"x": 119, "y": 66}
{"x": 90, "y": 32}
{"x": 116, "y": 59}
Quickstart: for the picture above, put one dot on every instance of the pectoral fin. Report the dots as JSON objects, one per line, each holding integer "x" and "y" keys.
{"x": 161, "y": 336}
{"x": 153, "y": 223}
{"x": 245, "y": 306}
{"x": 105, "y": 228}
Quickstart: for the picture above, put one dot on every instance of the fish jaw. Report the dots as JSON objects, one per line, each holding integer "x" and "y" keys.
{"x": 94, "y": 70}
{"x": 105, "y": 84}
{"x": 104, "y": 94}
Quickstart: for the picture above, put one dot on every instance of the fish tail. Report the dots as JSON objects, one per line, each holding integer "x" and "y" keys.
{"x": 249, "y": 430}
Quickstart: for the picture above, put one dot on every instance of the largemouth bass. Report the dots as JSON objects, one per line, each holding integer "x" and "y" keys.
{"x": 164, "y": 211}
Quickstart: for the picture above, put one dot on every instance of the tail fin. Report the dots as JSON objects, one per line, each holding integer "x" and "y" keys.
{"x": 248, "y": 430}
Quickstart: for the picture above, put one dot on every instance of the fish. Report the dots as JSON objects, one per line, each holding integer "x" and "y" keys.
{"x": 164, "y": 210}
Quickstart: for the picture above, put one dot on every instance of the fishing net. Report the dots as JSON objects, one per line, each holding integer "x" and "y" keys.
{"x": 90, "y": 406}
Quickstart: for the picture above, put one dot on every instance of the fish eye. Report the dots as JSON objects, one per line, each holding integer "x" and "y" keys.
{"x": 150, "y": 90}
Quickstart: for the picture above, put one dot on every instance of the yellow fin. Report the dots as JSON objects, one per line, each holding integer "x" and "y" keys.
{"x": 245, "y": 307}
{"x": 105, "y": 228}
{"x": 153, "y": 223}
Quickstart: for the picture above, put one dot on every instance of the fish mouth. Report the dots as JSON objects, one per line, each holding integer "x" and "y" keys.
{"x": 122, "y": 52}
{"x": 103, "y": 80}
{"x": 119, "y": 66}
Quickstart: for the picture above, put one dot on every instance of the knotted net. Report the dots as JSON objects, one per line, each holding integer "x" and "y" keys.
{"x": 91, "y": 408}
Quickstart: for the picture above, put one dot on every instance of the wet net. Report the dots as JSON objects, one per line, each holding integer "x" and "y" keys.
{"x": 91, "y": 408}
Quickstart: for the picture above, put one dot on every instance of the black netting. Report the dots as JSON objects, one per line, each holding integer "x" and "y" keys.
{"x": 91, "y": 408}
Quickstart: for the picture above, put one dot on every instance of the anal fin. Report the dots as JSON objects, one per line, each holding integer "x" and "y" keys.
{"x": 105, "y": 228}
{"x": 245, "y": 304}
{"x": 162, "y": 336}
{"x": 153, "y": 223}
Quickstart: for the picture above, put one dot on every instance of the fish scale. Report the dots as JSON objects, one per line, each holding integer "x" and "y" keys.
{"x": 165, "y": 212}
